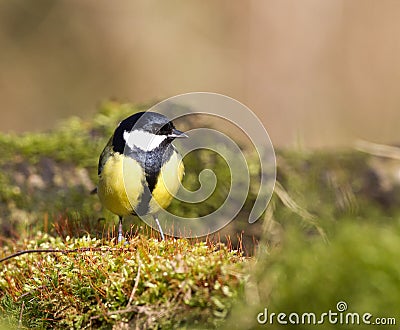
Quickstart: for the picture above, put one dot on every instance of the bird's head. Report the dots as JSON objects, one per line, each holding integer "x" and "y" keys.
{"x": 145, "y": 131}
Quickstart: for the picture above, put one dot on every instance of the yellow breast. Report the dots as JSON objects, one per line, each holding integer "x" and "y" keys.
{"x": 120, "y": 177}
{"x": 168, "y": 183}
{"x": 122, "y": 180}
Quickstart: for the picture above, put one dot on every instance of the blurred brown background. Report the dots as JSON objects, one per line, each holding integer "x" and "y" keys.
{"x": 318, "y": 73}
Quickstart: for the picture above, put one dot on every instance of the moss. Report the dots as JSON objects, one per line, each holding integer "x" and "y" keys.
{"x": 359, "y": 266}
{"x": 192, "y": 282}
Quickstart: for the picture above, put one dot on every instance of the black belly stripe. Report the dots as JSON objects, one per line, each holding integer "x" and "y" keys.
{"x": 143, "y": 207}
{"x": 151, "y": 162}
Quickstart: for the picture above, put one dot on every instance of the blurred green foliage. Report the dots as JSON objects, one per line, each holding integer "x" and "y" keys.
{"x": 331, "y": 234}
{"x": 359, "y": 266}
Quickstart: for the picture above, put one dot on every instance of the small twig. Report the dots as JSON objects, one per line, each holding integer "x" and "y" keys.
{"x": 135, "y": 286}
{"x": 294, "y": 207}
{"x": 31, "y": 291}
{"x": 20, "y": 315}
{"x": 19, "y": 253}
{"x": 376, "y": 149}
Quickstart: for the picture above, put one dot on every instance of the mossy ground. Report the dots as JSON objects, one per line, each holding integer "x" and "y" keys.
{"x": 95, "y": 283}
{"x": 331, "y": 233}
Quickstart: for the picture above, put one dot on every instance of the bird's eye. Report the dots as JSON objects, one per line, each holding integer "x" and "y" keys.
{"x": 165, "y": 130}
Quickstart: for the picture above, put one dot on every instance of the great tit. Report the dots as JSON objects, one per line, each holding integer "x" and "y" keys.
{"x": 139, "y": 169}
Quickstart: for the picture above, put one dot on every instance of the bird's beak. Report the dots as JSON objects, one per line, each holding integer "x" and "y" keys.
{"x": 177, "y": 134}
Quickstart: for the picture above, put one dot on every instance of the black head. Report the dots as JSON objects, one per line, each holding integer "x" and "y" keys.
{"x": 145, "y": 124}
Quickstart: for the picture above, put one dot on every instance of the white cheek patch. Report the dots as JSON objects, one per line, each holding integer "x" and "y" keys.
{"x": 143, "y": 140}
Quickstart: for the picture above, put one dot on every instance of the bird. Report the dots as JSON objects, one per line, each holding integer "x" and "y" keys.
{"x": 140, "y": 169}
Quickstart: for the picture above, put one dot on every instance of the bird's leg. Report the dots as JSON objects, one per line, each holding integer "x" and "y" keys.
{"x": 159, "y": 227}
{"x": 120, "y": 237}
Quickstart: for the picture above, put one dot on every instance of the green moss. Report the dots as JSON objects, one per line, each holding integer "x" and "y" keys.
{"x": 171, "y": 283}
{"x": 359, "y": 266}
